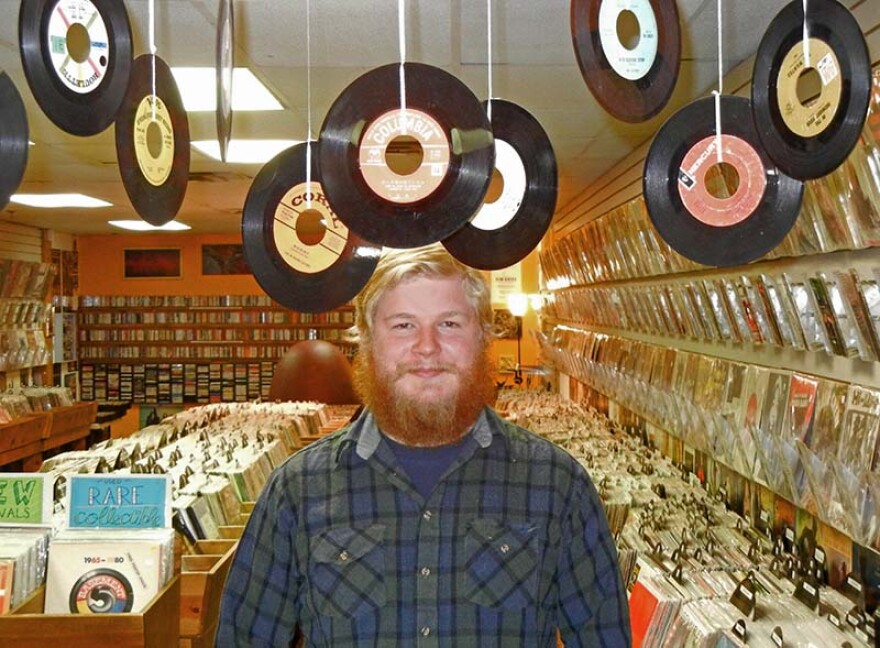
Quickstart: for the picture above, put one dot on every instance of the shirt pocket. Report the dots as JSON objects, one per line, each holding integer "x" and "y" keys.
{"x": 501, "y": 564}
{"x": 347, "y": 570}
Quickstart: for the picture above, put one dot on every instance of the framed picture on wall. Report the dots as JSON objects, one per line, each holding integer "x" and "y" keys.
{"x": 224, "y": 259}
{"x": 155, "y": 263}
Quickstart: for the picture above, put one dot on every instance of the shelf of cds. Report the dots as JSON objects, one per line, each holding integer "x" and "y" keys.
{"x": 202, "y": 349}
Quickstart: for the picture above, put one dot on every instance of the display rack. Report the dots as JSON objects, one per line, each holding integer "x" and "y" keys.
{"x": 26, "y": 442}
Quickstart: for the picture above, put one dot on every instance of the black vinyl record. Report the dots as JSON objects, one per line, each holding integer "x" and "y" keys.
{"x": 152, "y": 142}
{"x": 810, "y": 140}
{"x": 632, "y": 83}
{"x": 707, "y": 229}
{"x": 506, "y": 230}
{"x": 450, "y": 127}
{"x": 303, "y": 256}
{"x": 76, "y": 56}
{"x": 225, "y": 63}
{"x": 13, "y": 139}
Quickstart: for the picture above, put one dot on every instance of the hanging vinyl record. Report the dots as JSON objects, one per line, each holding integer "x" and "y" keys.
{"x": 809, "y": 116}
{"x": 629, "y": 52}
{"x": 76, "y": 56}
{"x": 512, "y": 221}
{"x": 225, "y": 63}
{"x": 717, "y": 214}
{"x": 406, "y": 177}
{"x": 13, "y": 139}
{"x": 152, "y": 142}
{"x": 302, "y": 255}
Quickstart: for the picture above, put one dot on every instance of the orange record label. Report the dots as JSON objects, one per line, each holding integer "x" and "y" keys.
{"x": 153, "y": 126}
{"x": 309, "y": 237}
{"x": 83, "y": 71}
{"x": 700, "y": 203}
{"x": 435, "y": 155}
{"x": 811, "y": 119}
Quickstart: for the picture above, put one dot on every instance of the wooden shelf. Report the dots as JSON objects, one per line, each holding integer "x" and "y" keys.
{"x": 28, "y": 438}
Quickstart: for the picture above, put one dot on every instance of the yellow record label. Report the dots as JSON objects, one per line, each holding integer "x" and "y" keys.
{"x": 78, "y": 45}
{"x": 812, "y": 119}
{"x": 435, "y": 155}
{"x": 154, "y": 140}
{"x": 308, "y": 235}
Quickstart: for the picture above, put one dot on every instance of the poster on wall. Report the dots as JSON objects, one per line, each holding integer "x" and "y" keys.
{"x": 224, "y": 259}
{"x": 163, "y": 263}
{"x": 506, "y": 282}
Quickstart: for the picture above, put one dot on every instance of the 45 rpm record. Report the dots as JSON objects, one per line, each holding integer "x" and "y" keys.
{"x": 505, "y": 230}
{"x": 101, "y": 591}
{"x": 13, "y": 139}
{"x": 809, "y": 140}
{"x": 76, "y": 56}
{"x": 225, "y": 63}
{"x": 695, "y": 223}
{"x": 152, "y": 142}
{"x": 632, "y": 82}
{"x": 452, "y": 132}
{"x": 303, "y": 256}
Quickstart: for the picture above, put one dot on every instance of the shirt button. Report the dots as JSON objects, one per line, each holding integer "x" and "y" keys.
{"x": 426, "y": 571}
{"x": 343, "y": 555}
{"x": 427, "y": 515}
{"x": 426, "y": 631}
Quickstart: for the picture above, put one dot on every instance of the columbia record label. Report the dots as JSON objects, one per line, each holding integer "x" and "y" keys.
{"x": 101, "y": 591}
{"x": 702, "y": 218}
{"x": 631, "y": 80}
{"x": 152, "y": 142}
{"x": 510, "y": 225}
{"x": 13, "y": 139}
{"x": 445, "y": 128}
{"x": 76, "y": 56}
{"x": 809, "y": 113}
{"x": 301, "y": 253}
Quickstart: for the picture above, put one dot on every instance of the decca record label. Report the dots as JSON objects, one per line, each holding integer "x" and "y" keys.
{"x": 80, "y": 22}
{"x": 811, "y": 118}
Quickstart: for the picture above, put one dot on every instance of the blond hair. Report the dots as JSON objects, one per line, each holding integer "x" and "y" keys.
{"x": 432, "y": 261}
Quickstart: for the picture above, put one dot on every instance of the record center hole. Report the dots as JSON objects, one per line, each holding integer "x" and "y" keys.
{"x": 154, "y": 139}
{"x": 809, "y": 86}
{"x": 404, "y": 155}
{"x": 310, "y": 227}
{"x": 628, "y": 32}
{"x": 496, "y": 187}
{"x": 78, "y": 42}
{"x": 722, "y": 180}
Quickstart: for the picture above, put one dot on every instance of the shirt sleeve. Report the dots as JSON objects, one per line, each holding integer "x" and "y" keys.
{"x": 258, "y": 606}
{"x": 593, "y": 608}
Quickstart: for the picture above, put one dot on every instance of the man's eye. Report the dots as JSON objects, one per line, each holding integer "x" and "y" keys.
{"x": 450, "y": 324}
{"x": 401, "y": 326}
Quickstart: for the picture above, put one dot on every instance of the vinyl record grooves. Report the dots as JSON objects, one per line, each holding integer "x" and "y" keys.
{"x": 152, "y": 142}
{"x": 452, "y": 130}
{"x": 632, "y": 83}
{"x": 76, "y": 56}
{"x": 506, "y": 230}
{"x": 13, "y": 139}
{"x": 810, "y": 140}
{"x": 303, "y": 257}
{"x": 225, "y": 62}
{"x": 709, "y": 230}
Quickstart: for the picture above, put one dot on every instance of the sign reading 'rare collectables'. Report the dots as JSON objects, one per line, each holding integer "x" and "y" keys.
{"x": 101, "y": 501}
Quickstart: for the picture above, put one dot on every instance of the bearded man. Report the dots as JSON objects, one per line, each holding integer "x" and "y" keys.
{"x": 429, "y": 521}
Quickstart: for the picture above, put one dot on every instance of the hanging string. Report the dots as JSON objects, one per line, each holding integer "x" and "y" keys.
{"x": 401, "y": 37}
{"x": 806, "y": 39}
{"x": 489, "y": 57}
{"x": 720, "y": 89}
{"x": 308, "y": 106}
{"x": 153, "y": 57}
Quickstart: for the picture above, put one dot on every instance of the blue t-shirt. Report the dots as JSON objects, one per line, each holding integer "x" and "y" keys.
{"x": 425, "y": 466}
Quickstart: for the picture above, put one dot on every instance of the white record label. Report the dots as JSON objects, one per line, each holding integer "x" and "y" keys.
{"x": 78, "y": 20}
{"x": 631, "y": 64}
{"x": 497, "y": 214}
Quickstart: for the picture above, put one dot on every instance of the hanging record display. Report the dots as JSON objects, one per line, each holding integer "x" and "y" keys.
{"x": 808, "y": 135}
{"x": 302, "y": 255}
{"x": 446, "y": 127}
{"x": 152, "y": 142}
{"x": 225, "y": 62}
{"x": 13, "y": 139}
{"x": 632, "y": 81}
{"x": 76, "y": 56}
{"x": 506, "y": 229}
{"x": 685, "y": 205}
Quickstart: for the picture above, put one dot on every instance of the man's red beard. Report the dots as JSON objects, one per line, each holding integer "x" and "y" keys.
{"x": 420, "y": 423}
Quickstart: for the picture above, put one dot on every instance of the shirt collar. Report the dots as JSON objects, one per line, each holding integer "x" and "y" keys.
{"x": 365, "y": 436}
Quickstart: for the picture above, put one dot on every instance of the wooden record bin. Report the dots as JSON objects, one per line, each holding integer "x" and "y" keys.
{"x": 201, "y": 584}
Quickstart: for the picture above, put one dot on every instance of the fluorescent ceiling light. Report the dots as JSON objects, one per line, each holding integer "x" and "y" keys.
{"x": 58, "y": 200}
{"x": 198, "y": 89}
{"x": 144, "y": 226}
{"x": 256, "y": 151}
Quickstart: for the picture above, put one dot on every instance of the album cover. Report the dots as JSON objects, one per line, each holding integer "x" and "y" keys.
{"x": 781, "y": 314}
{"x": 801, "y": 407}
{"x": 7, "y": 575}
{"x": 815, "y": 335}
{"x": 869, "y": 293}
{"x": 719, "y": 310}
{"x": 861, "y": 426}
{"x": 742, "y": 321}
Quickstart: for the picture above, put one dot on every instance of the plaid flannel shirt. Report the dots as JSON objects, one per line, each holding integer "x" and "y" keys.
{"x": 512, "y": 544}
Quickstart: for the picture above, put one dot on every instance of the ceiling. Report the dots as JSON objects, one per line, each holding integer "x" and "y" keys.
{"x": 533, "y": 64}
